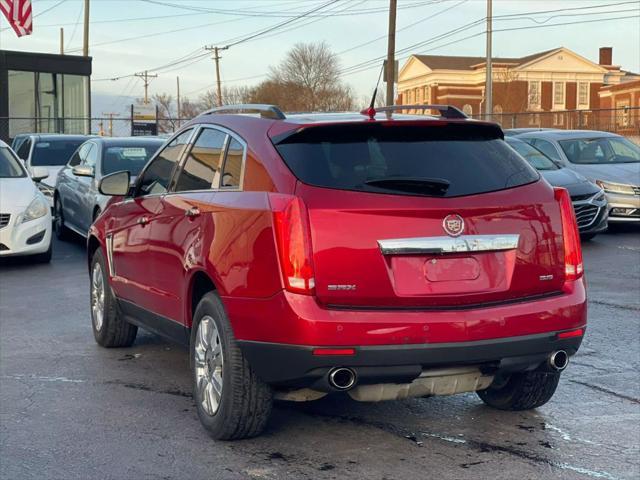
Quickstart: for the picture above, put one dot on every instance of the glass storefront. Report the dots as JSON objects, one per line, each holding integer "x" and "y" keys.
{"x": 47, "y": 103}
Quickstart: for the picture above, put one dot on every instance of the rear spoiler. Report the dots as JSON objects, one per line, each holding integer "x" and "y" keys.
{"x": 416, "y": 129}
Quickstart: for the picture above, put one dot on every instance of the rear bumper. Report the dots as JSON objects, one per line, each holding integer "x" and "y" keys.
{"x": 296, "y": 366}
{"x": 279, "y": 333}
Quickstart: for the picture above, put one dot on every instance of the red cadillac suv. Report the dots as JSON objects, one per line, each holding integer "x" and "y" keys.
{"x": 378, "y": 254}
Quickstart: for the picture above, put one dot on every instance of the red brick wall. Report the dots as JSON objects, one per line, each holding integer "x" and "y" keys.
{"x": 511, "y": 96}
{"x": 594, "y": 99}
{"x": 571, "y": 95}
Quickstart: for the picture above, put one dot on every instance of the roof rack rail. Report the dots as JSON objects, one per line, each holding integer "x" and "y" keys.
{"x": 446, "y": 111}
{"x": 265, "y": 110}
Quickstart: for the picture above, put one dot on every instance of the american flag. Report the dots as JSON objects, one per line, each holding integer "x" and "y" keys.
{"x": 18, "y": 13}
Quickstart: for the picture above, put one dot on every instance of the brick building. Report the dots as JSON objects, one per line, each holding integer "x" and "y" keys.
{"x": 550, "y": 81}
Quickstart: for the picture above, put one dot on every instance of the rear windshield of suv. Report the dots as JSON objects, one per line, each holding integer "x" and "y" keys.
{"x": 445, "y": 160}
{"x": 56, "y": 151}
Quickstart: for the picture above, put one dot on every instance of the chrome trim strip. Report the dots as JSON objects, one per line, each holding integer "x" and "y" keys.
{"x": 441, "y": 245}
{"x": 109, "y": 242}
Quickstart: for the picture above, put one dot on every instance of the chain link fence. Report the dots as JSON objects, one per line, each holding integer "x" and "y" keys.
{"x": 624, "y": 121}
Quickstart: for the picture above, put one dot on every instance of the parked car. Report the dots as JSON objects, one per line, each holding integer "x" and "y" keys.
{"x": 512, "y": 132}
{"x": 383, "y": 256}
{"x": 609, "y": 160}
{"x": 18, "y": 140}
{"x": 25, "y": 217}
{"x": 51, "y": 151}
{"x": 77, "y": 201}
{"x": 589, "y": 200}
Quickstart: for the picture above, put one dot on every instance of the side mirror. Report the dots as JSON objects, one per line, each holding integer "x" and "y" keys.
{"x": 39, "y": 173}
{"x": 82, "y": 171}
{"x": 115, "y": 184}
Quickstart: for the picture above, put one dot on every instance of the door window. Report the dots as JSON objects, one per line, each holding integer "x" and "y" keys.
{"x": 156, "y": 177}
{"x": 201, "y": 170}
{"x": 23, "y": 151}
{"x": 547, "y": 148}
{"x": 232, "y": 174}
{"x": 91, "y": 156}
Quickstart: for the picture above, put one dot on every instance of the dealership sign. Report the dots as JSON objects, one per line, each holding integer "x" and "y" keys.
{"x": 144, "y": 120}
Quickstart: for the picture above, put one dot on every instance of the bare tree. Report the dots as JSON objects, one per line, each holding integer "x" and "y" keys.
{"x": 166, "y": 113}
{"x": 230, "y": 96}
{"x": 307, "y": 79}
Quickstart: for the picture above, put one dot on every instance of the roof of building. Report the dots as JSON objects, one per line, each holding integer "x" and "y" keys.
{"x": 447, "y": 62}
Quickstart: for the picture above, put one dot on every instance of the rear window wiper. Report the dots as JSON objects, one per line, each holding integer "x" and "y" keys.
{"x": 438, "y": 186}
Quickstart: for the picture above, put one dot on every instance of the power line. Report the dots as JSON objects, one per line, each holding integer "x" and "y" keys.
{"x": 373, "y": 63}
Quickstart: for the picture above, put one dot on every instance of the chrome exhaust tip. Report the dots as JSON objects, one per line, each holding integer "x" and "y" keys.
{"x": 559, "y": 360}
{"x": 342, "y": 378}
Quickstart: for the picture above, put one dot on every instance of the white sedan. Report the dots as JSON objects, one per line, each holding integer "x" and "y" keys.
{"x": 25, "y": 216}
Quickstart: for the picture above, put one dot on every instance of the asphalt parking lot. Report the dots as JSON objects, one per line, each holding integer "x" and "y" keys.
{"x": 70, "y": 409}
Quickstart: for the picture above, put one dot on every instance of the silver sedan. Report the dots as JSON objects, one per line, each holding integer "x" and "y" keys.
{"x": 77, "y": 201}
{"x": 609, "y": 160}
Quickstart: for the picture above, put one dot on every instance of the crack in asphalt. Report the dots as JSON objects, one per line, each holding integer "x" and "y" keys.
{"x": 615, "y": 305}
{"x": 146, "y": 388}
{"x": 482, "y": 447}
{"x": 606, "y": 390}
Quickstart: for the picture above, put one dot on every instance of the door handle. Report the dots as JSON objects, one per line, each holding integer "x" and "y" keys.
{"x": 192, "y": 212}
{"x": 143, "y": 220}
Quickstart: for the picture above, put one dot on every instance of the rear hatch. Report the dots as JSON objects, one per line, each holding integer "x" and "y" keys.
{"x": 423, "y": 214}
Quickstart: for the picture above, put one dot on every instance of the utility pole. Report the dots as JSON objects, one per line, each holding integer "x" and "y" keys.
{"x": 111, "y": 115}
{"x": 85, "y": 40}
{"x": 178, "y": 101}
{"x": 391, "y": 53}
{"x": 61, "y": 41}
{"x": 216, "y": 58}
{"x": 145, "y": 77}
{"x": 488, "y": 84}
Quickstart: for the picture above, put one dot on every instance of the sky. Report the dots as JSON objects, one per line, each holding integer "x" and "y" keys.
{"x": 129, "y": 36}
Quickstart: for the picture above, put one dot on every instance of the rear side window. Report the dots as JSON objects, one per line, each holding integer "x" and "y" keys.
{"x": 231, "y": 177}
{"x": 441, "y": 160}
{"x": 201, "y": 170}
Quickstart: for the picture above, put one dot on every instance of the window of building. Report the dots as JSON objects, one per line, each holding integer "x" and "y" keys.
{"x": 467, "y": 109}
{"x": 427, "y": 95}
{"x": 623, "y": 113}
{"x": 233, "y": 166}
{"x": 534, "y": 119}
{"x": 558, "y": 94}
{"x": 558, "y": 119}
{"x": 534, "y": 94}
{"x": 583, "y": 94}
{"x": 47, "y": 103}
{"x": 201, "y": 171}
{"x": 497, "y": 109}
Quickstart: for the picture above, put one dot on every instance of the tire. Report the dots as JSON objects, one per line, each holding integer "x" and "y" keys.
{"x": 62, "y": 232}
{"x": 44, "y": 257}
{"x": 109, "y": 327}
{"x": 522, "y": 391}
{"x": 587, "y": 236}
{"x": 243, "y": 406}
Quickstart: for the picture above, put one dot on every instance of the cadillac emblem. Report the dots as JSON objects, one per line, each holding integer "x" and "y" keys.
{"x": 453, "y": 225}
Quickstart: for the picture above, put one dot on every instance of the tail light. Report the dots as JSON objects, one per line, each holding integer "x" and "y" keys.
{"x": 291, "y": 224}
{"x": 573, "y": 267}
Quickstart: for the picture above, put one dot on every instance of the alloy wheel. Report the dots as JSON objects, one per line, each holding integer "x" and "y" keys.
{"x": 209, "y": 363}
{"x": 97, "y": 297}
